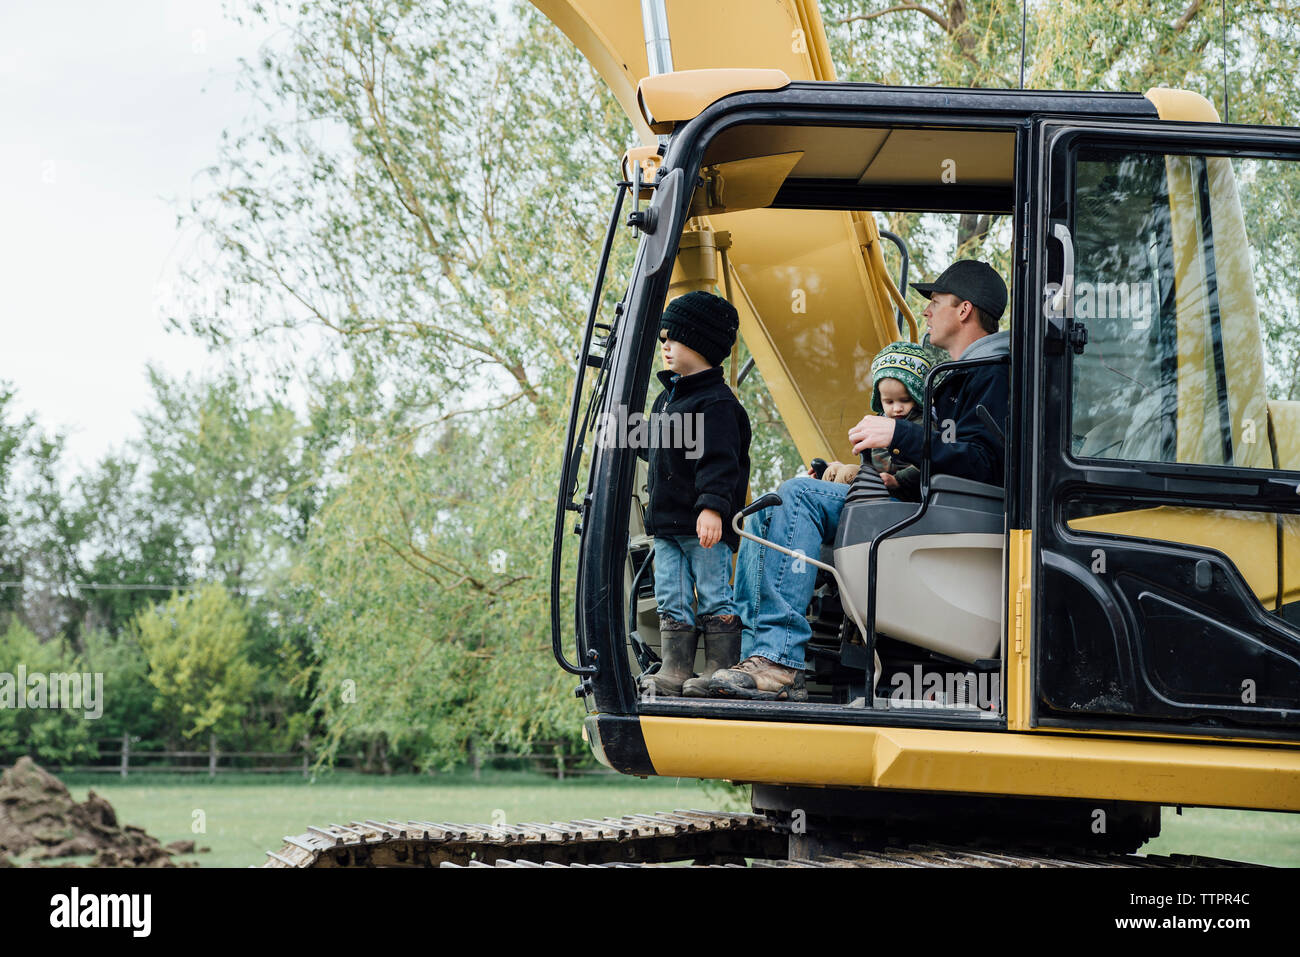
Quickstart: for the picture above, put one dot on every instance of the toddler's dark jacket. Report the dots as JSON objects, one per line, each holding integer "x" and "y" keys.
{"x": 908, "y": 474}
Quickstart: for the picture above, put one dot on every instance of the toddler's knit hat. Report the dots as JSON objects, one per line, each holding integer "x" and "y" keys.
{"x": 703, "y": 322}
{"x": 905, "y": 361}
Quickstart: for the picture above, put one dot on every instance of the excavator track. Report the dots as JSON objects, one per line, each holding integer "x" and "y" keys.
{"x": 706, "y": 838}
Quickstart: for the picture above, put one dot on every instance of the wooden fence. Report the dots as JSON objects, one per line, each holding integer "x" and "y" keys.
{"x": 120, "y": 756}
{"x": 554, "y": 762}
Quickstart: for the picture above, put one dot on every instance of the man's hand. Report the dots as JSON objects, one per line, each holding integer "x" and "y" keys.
{"x": 889, "y": 480}
{"x": 708, "y": 527}
{"x": 839, "y": 472}
{"x": 873, "y": 432}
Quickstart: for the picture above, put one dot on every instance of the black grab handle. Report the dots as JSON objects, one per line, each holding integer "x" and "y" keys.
{"x": 760, "y": 503}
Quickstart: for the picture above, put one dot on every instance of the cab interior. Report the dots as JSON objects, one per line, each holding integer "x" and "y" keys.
{"x": 789, "y": 223}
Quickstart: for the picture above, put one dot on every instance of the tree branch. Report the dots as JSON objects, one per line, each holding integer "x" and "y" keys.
{"x": 937, "y": 17}
{"x": 1192, "y": 10}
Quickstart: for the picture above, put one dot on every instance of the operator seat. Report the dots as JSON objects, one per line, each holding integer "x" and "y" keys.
{"x": 939, "y": 580}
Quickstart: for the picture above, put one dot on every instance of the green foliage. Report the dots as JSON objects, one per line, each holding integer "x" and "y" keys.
{"x": 420, "y": 203}
{"x": 127, "y": 539}
{"x": 403, "y": 226}
{"x": 128, "y": 693}
{"x": 1120, "y": 46}
{"x": 456, "y": 646}
{"x": 61, "y": 734}
{"x": 195, "y": 645}
{"x": 235, "y": 476}
{"x": 12, "y": 437}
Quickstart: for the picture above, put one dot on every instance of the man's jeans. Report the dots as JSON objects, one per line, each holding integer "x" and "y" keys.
{"x": 772, "y": 589}
{"x": 684, "y": 570}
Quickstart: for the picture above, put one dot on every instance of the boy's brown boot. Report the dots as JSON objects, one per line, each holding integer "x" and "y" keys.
{"x": 677, "y": 644}
{"x": 721, "y": 650}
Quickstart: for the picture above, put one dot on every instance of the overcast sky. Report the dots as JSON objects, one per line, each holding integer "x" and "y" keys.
{"x": 109, "y": 111}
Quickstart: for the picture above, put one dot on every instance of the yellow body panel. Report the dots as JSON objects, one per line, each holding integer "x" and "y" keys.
{"x": 1019, "y": 677}
{"x": 1199, "y": 438}
{"x": 814, "y": 313}
{"x": 669, "y": 98}
{"x": 1248, "y": 539}
{"x": 785, "y": 35}
{"x": 1284, "y": 432}
{"x": 975, "y": 762}
{"x": 1290, "y": 558}
{"x": 1182, "y": 106}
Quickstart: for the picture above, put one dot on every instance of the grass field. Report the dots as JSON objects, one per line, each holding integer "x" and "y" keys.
{"x": 247, "y": 815}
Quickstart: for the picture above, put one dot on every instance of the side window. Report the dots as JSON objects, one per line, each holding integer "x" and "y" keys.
{"x": 1185, "y": 278}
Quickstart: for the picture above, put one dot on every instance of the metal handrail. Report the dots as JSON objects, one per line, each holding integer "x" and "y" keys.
{"x": 898, "y": 241}
{"x": 573, "y": 452}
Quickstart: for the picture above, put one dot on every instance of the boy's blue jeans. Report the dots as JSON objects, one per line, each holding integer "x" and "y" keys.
{"x": 772, "y": 589}
{"x": 687, "y": 573}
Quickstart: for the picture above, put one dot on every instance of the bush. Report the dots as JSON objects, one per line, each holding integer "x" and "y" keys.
{"x": 55, "y": 735}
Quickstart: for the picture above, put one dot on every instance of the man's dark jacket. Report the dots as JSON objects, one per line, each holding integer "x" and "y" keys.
{"x": 718, "y": 478}
{"x": 976, "y": 452}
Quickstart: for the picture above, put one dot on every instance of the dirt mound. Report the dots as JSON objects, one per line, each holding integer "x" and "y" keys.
{"x": 36, "y": 811}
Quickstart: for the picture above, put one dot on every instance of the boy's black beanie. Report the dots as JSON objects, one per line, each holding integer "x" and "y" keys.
{"x": 703, "y": 322}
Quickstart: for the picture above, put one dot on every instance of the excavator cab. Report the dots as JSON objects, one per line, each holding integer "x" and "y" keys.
{"x": 1138, "y": 571}
{"x": 1119, "y": 621}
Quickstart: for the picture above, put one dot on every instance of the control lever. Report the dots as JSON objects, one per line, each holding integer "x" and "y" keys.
{"x": 818, "y": 467}
{"x": 760, "y": 503}
{"x": 867, "y": 484}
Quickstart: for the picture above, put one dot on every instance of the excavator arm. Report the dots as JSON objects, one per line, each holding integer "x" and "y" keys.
{"x": 811, "y": 287}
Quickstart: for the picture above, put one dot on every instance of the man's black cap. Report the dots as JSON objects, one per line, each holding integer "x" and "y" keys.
{"x": 972, "y": 280}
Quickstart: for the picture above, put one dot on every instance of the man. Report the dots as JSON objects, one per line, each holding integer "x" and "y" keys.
{"x": 772, "y": 589}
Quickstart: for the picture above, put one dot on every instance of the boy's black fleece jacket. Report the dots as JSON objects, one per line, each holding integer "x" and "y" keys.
{"x": 718, "y": 478}
{"x": 976, "y": 452}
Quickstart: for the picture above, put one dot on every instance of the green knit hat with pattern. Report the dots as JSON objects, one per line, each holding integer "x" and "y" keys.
{"x": 905, "y": 361}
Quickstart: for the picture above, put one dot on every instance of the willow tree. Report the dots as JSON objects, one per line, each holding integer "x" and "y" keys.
{"x": 424, "y": 201}
{"x": 1246, "y": 50}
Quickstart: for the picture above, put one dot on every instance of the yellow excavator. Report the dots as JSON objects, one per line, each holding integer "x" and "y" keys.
{"x": 1021, "y": 673}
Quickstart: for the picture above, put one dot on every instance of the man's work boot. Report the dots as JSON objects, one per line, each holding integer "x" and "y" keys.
{"x": 757, "y": 679}
{"x": 677, "y": 643}
{"x": 721, "y": 650}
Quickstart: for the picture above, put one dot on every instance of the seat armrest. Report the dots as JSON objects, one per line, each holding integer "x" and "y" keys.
{"x": 964, "y": 486}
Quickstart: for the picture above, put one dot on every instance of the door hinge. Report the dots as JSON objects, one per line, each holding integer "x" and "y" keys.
{"x": 1024, "y": 579}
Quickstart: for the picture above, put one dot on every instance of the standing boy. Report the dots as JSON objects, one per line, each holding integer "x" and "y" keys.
{"x": 695, "y": 487}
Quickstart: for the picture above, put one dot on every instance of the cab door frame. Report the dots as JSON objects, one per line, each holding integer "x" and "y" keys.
{"x": 1200, "y": 581}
